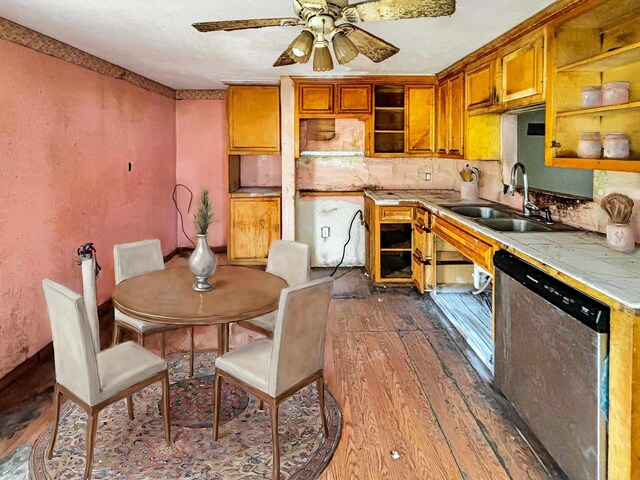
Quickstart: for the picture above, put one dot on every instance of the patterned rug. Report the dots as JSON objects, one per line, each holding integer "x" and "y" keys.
{"x": 136, "y": 450}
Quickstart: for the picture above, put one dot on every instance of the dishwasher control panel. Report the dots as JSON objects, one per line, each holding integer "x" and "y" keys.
{"x": 586, "y": 309}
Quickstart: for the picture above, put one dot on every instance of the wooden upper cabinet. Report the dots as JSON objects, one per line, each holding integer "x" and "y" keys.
{"x": 522, "y": 70}
{"x": 253, "y": 113}
{"x": 315, "y": 98}
{"x": 481, "y": 85}
{"x": 420, "y": 119}
{"x": 456, "y": 110}
{"x": 353, "y": 98}
{"x": 451, "y": 115}
{"x": 443, "y": 117}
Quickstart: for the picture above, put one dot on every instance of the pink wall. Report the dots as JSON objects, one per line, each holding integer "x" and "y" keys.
{"x": 201, "y": 161}
{"x": 66, "y": 137}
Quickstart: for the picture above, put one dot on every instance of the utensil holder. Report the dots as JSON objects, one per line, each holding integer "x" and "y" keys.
{"x": 620, "y": 237}
{"x": 469, "y": 190}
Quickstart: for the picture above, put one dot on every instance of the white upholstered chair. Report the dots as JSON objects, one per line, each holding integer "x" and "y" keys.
{"x": 130, "y": 260}
{"x": 94, "y": 379}
{"x": 291, "y": 261}
{"x": 274, "y": 369}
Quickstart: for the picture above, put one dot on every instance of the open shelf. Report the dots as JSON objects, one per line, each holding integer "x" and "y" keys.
{"x": 389, "y": 131}
{"x": 600, "y": 111}
{"x": 605, "y": 61}
{"x": 627, "y": 165}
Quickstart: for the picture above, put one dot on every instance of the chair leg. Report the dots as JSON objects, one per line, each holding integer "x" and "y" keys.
{"x": 130, "y": 406}
{"x": 92, "y": 424}
{"x": 261, "y": 404}
{"x": 116, "y": 333}
{"x": 217, "y": 387}
{"x": 165, "y": 408}
{"x": 192, "y": 351}
{"x": 273, "y": 411}
{"x": 141, "y": 339}
{"x": 163, "y": 345}
{"x": 320, "y": 386}
{"x": 56, "y": 407}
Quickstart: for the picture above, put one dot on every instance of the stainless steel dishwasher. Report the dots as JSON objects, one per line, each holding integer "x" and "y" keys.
{"x": 551, "y": 345}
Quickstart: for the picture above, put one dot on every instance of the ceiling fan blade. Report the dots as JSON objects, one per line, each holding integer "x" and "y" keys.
{"x": 285, "y": 58}
{"x": 229, "y": 25}
{"x": 369, "y": 45}
{"x": 397, "y": 10}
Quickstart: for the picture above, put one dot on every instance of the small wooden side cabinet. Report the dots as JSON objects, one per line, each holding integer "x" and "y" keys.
{"x": 253, "y": 113}
{"x": 254, "y": 222}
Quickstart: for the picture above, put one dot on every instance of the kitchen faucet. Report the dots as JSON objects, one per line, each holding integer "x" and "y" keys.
{"x": 527, "y": 206}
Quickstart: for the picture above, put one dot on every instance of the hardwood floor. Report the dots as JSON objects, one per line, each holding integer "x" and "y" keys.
{"x": 406, "y": 383}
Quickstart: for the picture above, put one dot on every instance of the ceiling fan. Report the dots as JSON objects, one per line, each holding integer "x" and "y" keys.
{"x": 319, "y": 17}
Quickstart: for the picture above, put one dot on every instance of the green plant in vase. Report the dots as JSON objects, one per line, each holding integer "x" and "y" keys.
{"x": 203, "y": 262}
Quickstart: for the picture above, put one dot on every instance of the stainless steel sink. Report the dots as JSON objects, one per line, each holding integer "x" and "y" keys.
{"x": 515, "y": 225}
{"x": 475, "y": 211}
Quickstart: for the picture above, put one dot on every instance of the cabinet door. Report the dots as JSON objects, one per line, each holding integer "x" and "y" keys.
{"x": 253, "y": 224}
{"x": 481, "y": 87}
{"x": 522, "y": 71}
{"x": 420, "y": 119}
{"x": 443, "y": 117}
{"x": 456, "y": 115}
{"x": 353, "y": 98}
{"x": 369, "y": 235}
{"x": 417, "y": 273}
{"x": 254, "y": 119}
{"x": 315, "y": 98}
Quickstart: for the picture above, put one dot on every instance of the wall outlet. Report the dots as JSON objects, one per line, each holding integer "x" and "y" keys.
{"x": 325, "y": 232}
{"x": 427, "y": 176}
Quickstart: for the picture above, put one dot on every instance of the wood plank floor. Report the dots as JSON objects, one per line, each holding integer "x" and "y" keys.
{"x": 406, "y": 382}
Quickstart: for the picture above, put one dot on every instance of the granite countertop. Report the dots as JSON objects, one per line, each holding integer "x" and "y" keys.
{"x": 581, "y": 255}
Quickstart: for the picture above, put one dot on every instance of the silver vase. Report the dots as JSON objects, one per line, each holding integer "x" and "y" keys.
{"x": 203, "y": 264}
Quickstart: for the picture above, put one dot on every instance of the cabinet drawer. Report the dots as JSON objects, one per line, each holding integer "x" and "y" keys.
{"x": 388, "y": 214}
{"x": 471, "y": 247}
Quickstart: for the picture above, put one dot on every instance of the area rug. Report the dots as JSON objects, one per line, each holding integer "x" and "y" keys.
{"x": 136, "y": 450}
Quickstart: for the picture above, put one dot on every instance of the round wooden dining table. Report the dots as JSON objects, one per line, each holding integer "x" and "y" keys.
{"x": 167, "y": 296}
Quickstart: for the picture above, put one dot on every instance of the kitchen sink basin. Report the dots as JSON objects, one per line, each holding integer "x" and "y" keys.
{"x": 474, "y": 211}
{"x": 514, "y": 225}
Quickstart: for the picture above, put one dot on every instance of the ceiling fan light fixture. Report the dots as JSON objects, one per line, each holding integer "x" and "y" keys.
{"x": 302, "y": 47}
{"x": 322, "y": 61}
{"x": 344, "y": 48}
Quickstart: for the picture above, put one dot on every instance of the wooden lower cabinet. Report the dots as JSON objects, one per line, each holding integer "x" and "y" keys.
{"x": 399, "y": 245}
{"x": 254, "y": 222}
{"x": 423, "y": 267}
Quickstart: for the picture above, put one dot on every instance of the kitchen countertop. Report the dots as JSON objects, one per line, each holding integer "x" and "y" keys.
{"x": 582, "y": 255}
{"x": 257, "y": 191}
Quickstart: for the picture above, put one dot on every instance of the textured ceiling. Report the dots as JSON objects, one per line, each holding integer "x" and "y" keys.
{"x": 154, "y": 37}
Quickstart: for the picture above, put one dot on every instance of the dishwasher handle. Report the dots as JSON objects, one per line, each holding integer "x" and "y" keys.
{"x": 591, "y": 312}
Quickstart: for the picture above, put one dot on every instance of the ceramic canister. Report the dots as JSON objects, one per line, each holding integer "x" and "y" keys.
{"x": 591, "y": 97}
{"x": 620, "y": 237}
{"x": 590, "y": 145}
{"x": 469, "y": 190}
{"x": 616, "y": 145}
{"x": 615, "y": 93}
